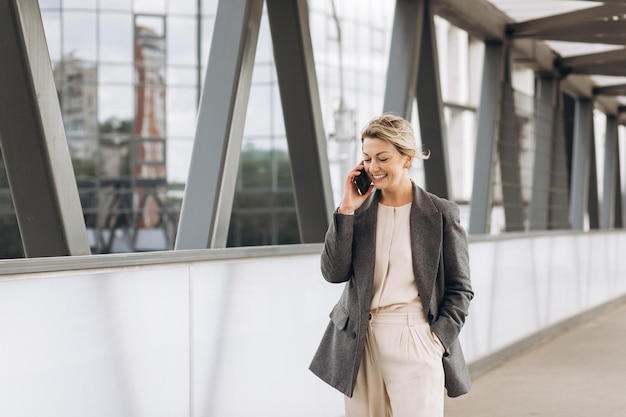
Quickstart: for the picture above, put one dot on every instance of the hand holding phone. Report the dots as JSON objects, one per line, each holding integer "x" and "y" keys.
{"x": 362, "y": 181}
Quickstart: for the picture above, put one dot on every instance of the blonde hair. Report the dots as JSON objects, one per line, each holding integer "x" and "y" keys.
{"x": 395, "y": 130}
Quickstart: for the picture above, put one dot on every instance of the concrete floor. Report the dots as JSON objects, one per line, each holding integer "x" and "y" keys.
{"x": 579, "y": 373}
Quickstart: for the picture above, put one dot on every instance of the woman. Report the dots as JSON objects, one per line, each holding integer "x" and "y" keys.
{"x": 392, "y": 343}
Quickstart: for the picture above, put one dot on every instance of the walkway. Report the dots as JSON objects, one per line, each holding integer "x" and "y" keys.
{"x": 580, "y": 373}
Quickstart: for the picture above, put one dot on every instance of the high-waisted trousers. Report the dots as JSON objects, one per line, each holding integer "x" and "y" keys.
{"x": 401, "y": 371}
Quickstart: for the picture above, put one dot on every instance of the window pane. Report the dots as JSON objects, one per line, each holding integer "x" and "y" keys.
{"x": 150, "y": 6}
{"x": 79, "y": 4}
{"x": 116, "y": 38}
{"x": 115, "y": 103}
{"x": 178, "y": 159}
{"x": 209, "y": 7}
{"x": 52, "y": 29}
{"x": 182, "y": 40}
{"x": 258, "y": 117}
{"x": 181, "y": 112}
{"x": 183, "y": 7}
{"x": 79, "y": 35}
{"x": 52, "y": 4}
{"x": 177, "y": 76}
{"x": 115, "y": 74}
{"x": 207, "y": 37}
{"x": 288, "y": 232}
{"x": 155, "y": 25}
{"x": 115, "y": 5}
{"x": 255, "y": 168}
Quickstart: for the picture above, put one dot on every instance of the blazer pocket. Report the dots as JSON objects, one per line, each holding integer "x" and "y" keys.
{"x": 339, "y": 316}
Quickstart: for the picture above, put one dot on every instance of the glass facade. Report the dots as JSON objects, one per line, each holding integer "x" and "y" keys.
{"x": 129, "y": 75}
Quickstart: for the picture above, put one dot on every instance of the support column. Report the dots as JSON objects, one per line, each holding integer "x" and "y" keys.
{"x": 430, "y": 110}
{"x": 546, "y": 88}
{"x": 488, "y": 116}
{"x": 593, "y": 205}
{"x": 558, "y": 206}
{"x": 293, "y": 54}
{"x": 509, "y": 155}
{"x": 610, "y": 193}
{"x": 33, "y": 141}
{"x": 579, "y": 190}
{"x": 404, "y": 55}
{"x": 209, "y": 192}
{"x": 413, "y": 72}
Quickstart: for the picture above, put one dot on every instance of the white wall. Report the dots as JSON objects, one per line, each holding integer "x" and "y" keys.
{"x": 234, "y": 337}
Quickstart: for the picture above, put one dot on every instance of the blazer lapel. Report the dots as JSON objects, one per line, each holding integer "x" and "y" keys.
{"x": 426, "y": 239}
{"x": 364, "y": 245}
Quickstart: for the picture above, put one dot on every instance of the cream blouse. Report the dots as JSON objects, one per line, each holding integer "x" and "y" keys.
{"x": 394, "y": 280}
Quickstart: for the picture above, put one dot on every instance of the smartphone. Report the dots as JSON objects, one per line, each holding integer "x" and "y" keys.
{"x": 362, "y": 182}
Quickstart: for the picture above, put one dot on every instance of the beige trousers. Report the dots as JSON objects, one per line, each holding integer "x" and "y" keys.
{"x": 401, "y": 372}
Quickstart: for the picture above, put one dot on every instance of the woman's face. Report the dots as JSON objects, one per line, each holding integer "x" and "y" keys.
{"x": 386, "y": 166}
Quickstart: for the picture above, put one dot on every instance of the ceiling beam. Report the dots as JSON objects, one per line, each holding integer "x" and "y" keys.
{"x": 611, "y": 90}
{"x": 566, "y": 21}
{"x": 483, "y": 21}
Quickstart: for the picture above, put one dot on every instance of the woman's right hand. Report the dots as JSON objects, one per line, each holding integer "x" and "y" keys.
{"x": 352, "y": 200}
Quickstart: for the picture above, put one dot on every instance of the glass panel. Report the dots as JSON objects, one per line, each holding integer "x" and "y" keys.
{"x": 116, "y": 104}
{"x": 149, "y": 6}
{"x": 154, "y": 25}
{"x": 182, "y": 40}
{"x": 76, "y": 86}
{"x": 178, "y": 159}
{"x": 182, "y": 7}
{"x": 209, "y": 7}
{"x": 79, "y": 35}
{"x": 255, "y": 167}
{"x": 181, "y": 112}
{"x": 177, "y": 76}
{"x": 264, "y": 51}
{"x": 79, "y": 4}
{"x": 116, "y": 38}
{"x": 115, "y": 5}
{"x": 114, "y": 148}
{"x": 115, "y": 74}
{"x": 288, "y": 232}
{"x": 207, "y": 37}
{"x": 52, "y": 29}
{"x": 258, "y": 116}
{"x": 150, "y": 72}
{"x": 84, "y": 151}
{"x": 254, "y": 229}
{"x": 49, "y": 4}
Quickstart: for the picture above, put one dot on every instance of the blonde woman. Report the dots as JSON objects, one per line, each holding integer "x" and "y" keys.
{"x": 392, "y": 343}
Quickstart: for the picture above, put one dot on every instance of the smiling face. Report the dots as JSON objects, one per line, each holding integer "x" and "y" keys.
{"x": 386, "y": 165}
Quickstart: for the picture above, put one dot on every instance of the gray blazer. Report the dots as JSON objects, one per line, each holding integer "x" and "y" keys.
{"x": 441, "y": 267}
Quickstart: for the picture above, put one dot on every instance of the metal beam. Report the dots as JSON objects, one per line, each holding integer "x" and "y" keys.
{"x": 209, "y": 192}
{"x": 579, "y": 190}
{"x": 558, "y": 207}
{"x": 488, "y": 116}
{"x": 611, "y": 90}
{"x": 562, "y": 22}
{"x": 610, "y": 197}
{"x": 293, "y": 55}
{"x": 404, "y": 55}
{"x": 32, "y": 136}
{"x": 509, "y": 156}
{"x": 546, "y": 91}
{"x": 593, "y": 203}
{"x": 430, "y": 110}
{"x": 600, "y": 58}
